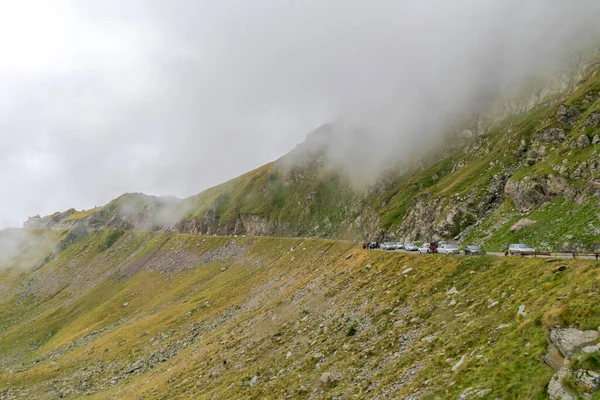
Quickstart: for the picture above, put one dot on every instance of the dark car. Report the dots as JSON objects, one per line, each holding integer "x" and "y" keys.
{"x": 474, "y": 250}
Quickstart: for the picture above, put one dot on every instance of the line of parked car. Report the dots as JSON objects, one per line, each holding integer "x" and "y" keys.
{"x": 447, "y": 248}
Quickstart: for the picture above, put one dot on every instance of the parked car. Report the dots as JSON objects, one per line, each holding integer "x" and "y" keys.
{"x": 424, "y": 249}
{"x": 410, "y": 247}
{"x": 448, "y": 249}
{"x": 399, "y": 245}
{"x": 521, "y": 249}
{"x": 474, "y": 250}
{"x": 388, "y": 246}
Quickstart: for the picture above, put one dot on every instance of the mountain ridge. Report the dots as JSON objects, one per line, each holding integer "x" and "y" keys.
{"x": 494, "y": 167}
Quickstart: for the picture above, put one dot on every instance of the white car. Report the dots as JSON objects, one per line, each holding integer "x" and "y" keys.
{"x": 424, "y": 249}
{"x": 410, "y": 247}
{"x": 399, "y": 245}
{"x": 448, "y": 249}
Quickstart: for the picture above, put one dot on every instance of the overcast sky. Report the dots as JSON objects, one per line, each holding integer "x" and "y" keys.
{"x": 98, "y": 98}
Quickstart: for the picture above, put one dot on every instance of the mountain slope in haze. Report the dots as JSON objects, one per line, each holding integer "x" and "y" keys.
{"x": 528, "y": 169}
{"x": 155, "y": 315}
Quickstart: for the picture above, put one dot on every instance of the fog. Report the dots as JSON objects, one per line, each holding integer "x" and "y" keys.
{"x": 102, "y": 98}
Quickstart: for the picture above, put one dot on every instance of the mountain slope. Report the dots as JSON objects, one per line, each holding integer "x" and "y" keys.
{"x": 160, "y": 315}
{"x": 532, "y": 157}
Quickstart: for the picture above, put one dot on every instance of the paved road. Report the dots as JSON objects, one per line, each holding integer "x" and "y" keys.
{"x": 500, "y": 254}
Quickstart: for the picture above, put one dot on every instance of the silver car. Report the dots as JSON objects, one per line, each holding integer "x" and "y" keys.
{"x": 410, "y": 247}
{"x": 521, "y": 249}
{"x": 448, "y": 249}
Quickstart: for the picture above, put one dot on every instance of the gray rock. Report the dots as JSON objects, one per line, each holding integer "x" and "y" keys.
{"x": 555, "y": 389}
{"x": 318, "y": 356}
{"x": 583, "y": 141}
{"x": 567, "y": 115}
{"x": 452, "y": 291}
{"x": 254, "y": 381}
{"x": 592, "y": 120}
{"x": 460, "y": 363}
{"x": 596, "y": 139}
{"x": 590, "y": 379}
{"x": 570, "y": 340}
{"x": 521, "y": 224}
{"x": 551, "y": 135}
{"x": 329, "y": 378}
{"x": 591, "y": 349}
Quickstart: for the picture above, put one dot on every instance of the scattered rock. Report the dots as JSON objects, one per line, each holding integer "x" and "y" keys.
{"x": 501, "y": 326}
{"x": 459, "y": 364}
{"x": 125, "y": 304}
{"x": 330, "y": 379}
{"x": 452, "y": 291}
{"x": 492, "y": 303}
{"x": 406, "y": 271}
{"x": 318, "y": 356}
{"x": 521, "y": 311}
{"x": 596, "y": 139}
{"x": 254, "y": 381}
{"x": 592, "y": 120}
{"x": 349, "y": 256}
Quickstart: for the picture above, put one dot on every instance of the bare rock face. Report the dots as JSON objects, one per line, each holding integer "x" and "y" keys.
{"x": 526, "y": 193}
{"x": 253, "y": 225}
{"x": 551, "y": 135}
{"x": 531, "y": 192}
{"x": 521, "y": 224}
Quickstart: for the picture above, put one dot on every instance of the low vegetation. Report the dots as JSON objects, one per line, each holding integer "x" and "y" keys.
{"x": 160, "y": 315}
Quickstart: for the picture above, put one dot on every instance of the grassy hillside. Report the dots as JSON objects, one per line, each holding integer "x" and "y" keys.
{"x": 157, "y": 315}
{"x": 532, "y": 156}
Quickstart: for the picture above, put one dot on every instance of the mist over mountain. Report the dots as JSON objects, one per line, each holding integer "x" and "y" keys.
{"x": 102, "y": 99}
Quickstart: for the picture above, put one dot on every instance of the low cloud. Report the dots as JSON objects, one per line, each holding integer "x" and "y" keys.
{"x": 102, "y": 98}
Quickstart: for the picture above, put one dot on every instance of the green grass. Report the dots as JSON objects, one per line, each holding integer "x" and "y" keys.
{"x": 271, "y": 301}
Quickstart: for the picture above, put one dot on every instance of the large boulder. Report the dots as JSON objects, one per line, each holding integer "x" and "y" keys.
{"x": 570, "y": 340}
{"x": 521, "y": 224}
{"x": 551, "y": 135}
{"x": 567, "y": 115}
{"x": 583, "y": 141}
